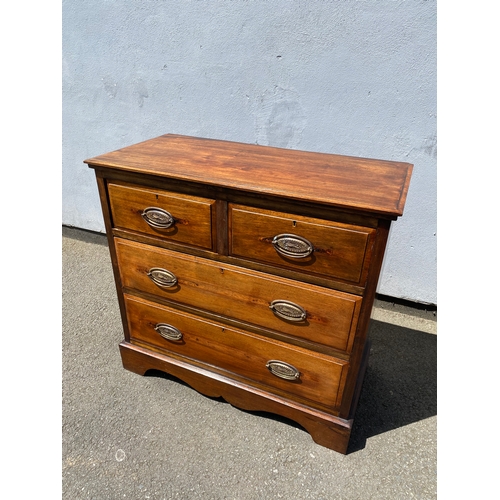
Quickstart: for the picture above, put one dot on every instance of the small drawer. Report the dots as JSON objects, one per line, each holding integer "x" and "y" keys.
{"x": 304, "y": 244}
{"x": 171, "y": 216}
{"x": 301, "y": 310}
{"x": 270, "y": 363}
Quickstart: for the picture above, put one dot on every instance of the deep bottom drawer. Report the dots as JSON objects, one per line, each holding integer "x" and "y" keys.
{"x": 274, "y": 364}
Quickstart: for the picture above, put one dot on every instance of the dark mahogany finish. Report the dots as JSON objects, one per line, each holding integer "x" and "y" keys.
{"x": 249, "y": 272}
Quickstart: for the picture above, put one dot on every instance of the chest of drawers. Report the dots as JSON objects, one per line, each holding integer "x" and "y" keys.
{"x": 249, "y": 272}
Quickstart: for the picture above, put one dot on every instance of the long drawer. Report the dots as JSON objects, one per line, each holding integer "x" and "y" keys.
{"x": 305, "y": 244}
{"x": 301, "y": 310}
{"x": 171, "y": 216}
{"x": 270, "y": 363}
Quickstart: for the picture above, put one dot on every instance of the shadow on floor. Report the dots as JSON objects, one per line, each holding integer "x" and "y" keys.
{"x": 400, "y": 385}
{"x": 84, "y": 235}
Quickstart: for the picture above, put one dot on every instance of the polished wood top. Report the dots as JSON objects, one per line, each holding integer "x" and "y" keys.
{"x": 371, "y": 186}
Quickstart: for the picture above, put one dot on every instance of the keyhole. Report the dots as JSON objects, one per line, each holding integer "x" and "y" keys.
{"x": 294, "y": 223}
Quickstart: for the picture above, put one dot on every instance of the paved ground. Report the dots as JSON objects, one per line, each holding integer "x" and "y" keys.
{"x": 152, "y": 437}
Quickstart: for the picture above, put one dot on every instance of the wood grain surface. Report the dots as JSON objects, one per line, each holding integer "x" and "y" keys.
{"x": 368, "y": 185}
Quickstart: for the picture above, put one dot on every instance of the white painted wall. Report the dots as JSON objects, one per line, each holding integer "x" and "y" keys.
{"x": 354, "y": 77}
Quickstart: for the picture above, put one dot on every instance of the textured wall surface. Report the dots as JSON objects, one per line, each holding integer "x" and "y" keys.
{"x": 352, "y": 77}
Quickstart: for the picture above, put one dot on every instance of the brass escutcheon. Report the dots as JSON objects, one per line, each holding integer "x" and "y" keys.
{"x": 291, "y": 245}
{"x": 162, "y": 277}
{"x": 168, "y": 332}
{"x": 158, "y": 218}
{"x": 285, "y": 309}
{"x": 283, "y": 370}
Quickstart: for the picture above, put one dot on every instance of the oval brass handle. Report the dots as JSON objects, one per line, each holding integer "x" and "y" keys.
{"x": 168, "y": 332}
{"x": 162, "y": 277}
{"x": 157, "y": 217}
{"x": 283, "y": 370}
{"x": 291, "y": 245}
{"x": 285, "y": 309}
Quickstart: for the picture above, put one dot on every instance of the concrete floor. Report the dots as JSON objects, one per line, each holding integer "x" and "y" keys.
{"x": 153, "y": 437}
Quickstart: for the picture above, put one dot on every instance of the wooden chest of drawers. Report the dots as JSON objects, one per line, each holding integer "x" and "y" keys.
{"x": 249, "y": 272}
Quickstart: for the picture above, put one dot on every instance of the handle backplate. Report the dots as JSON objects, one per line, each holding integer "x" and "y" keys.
{"x": 168, "y": 332}
{"x": 291, "y": 245}
{"x": 282, "y": 370}
{"x": 285, "y": 309}
{"x": 158, "y": 217}
{"x": 162, "y": 277}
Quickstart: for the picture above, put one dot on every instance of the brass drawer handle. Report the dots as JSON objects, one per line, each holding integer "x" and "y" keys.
{"x": 162, "y": 277}
{"x": 283, "y": 370}
{"x": 168, "y": 332}
{"x": 157, "y": 217}
{"x": 291, "y": 245}
{"x": 285, "y": 309}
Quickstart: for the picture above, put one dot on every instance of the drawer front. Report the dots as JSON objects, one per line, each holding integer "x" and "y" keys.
{"x": 304, "y": 244}
{"x": 171, "y": 216}
{"x": 272, "y": 363}
{"x": 305, "y": 311}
